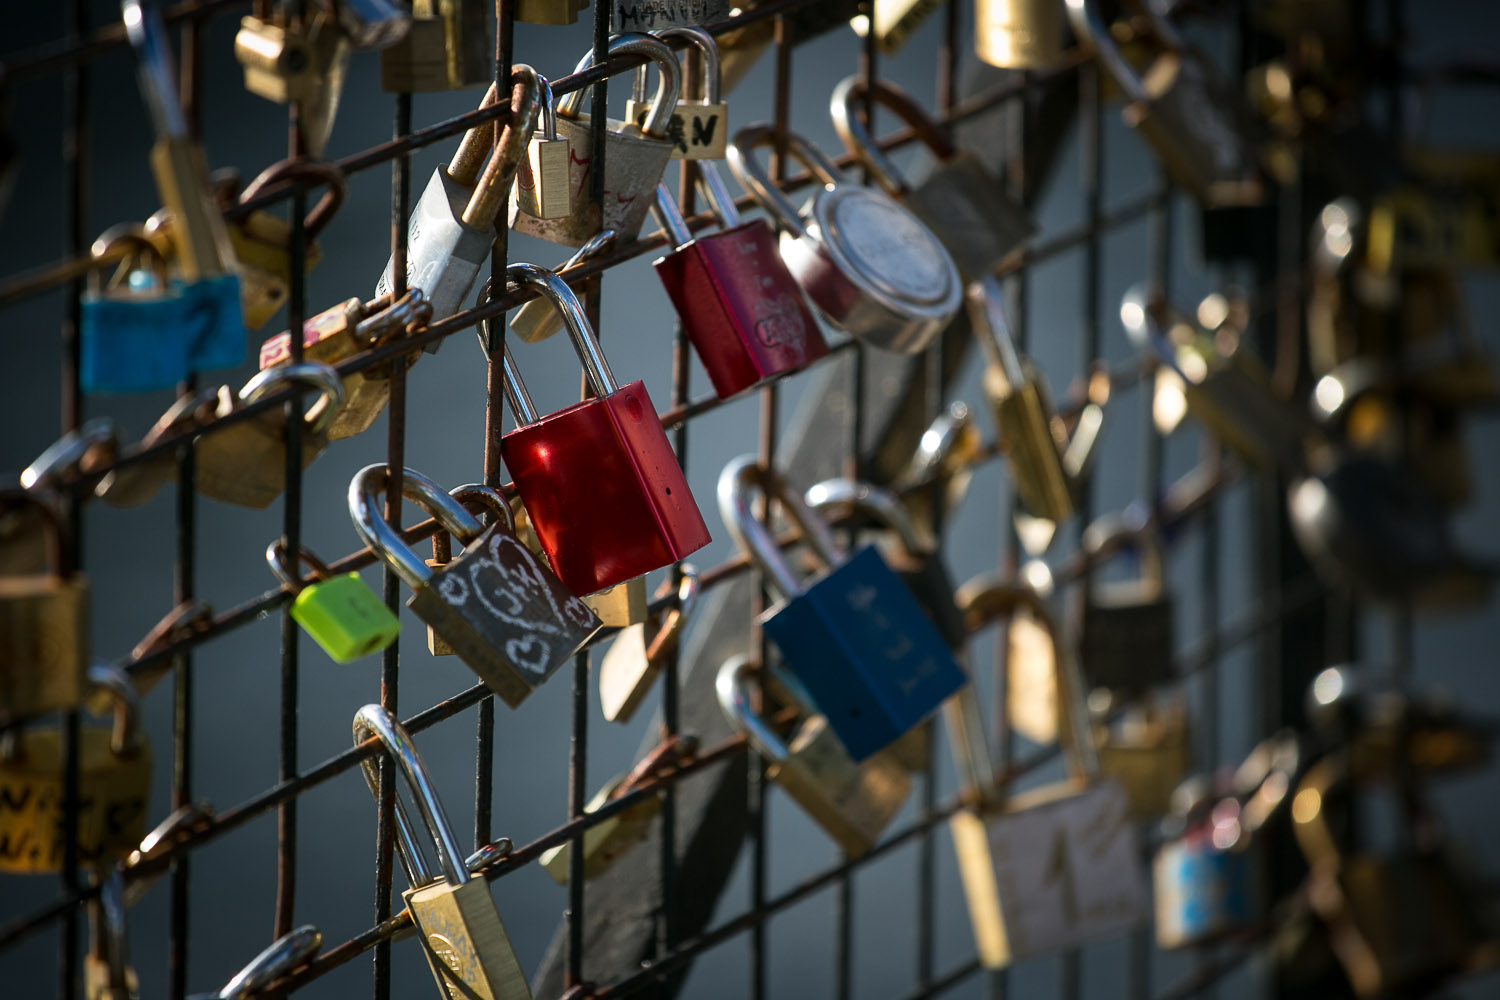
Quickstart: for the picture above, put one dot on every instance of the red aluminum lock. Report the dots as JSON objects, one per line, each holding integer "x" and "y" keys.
{"x": 741, "y": 307}
{"x": 599, "y": 480}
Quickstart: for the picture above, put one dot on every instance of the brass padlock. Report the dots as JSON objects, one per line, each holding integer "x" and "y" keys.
{"x": 852, "y": 802}
{"x": 543, "y": 189}
{"x": 245, "y": 463}
{"x": 1148, "y": 752}
{"x": 893, "y": 21}
{"x": 262, "y": 242}
{"x": 944, "y": 460}
{"x": 447, "y": 48}
{"x": 462, "y": 936}
{"x": 630, "y": 666}
{"x": 44, "y": 623}
{"x": 1018, "y": 34}
{"x": 114, "y": 778}
{"x": 279, "y": 959}
{"x": 1126, "y": 640}
{"x": 536, "y": 319}
{"x": 306, "y": 64}
{"x": 107, "y": 974}
{"x": 554, "y": 12}
{"x": 699, "y": 128}
{"x": 339, "y": 333}
{"x": 611, "y": 838}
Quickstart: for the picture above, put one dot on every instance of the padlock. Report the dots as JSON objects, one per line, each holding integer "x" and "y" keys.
{"x": 107, "y": 974}
{"x": 943, "y": 460}
{"x": 447, "y": 48}
{"x": 1054, "y": 867}
{"x": 464, "y": 941}
{"x": 277, "y": 960}
{"x": 1018, "y": 34}
{"x": 635, "y": 155}
{"x": 135, "y": 483}
{"x": 44, "y": 622}
{"x": 630, "y": 666}
{"x": 373, "y": 24}
{"x": 181, "y": 825}
{"x": 1125, "y": 627}
{"x": 855, "y": 637}
{"x": 740, "y": 307}
{"x": 542, "y": 184}
{"x": 555, "y": 12}
{"x": 245, "y": 462}
{"x": 342, "y": 331}
{"x": 961, "y": 202}
{"x": 114, "y": 778}
{"x": 535, "y": 319}
{"x": 606, "y": 841}
{"x": 1193, "y": 120}
{"x": 870, "y": 265}
{"x": 1203, "y": 875}
{"x": 853, "y": 802}
{"x": 620, "y": 606}
{"x": 1147, "y": 751}
{"x": 654, "y": 15}
{"x": 262, "y": 242}
{"x": 699, "y": 128}
{"x": 599, "y": 480}
{"x": 452, "y": 227}
{"x": 306, "y": 64}
{"x": 341, "y": 613}
{"x": 507, "y": 617}
{"x": 912, "y": 551}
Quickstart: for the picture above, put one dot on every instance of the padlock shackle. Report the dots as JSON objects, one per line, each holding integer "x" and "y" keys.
{"x": 986, "y": 305}
{"x": 105, "y": 251}
{"x": 366, "y": 490}
{"x": 756, "y": 179}
{"x": 575, "y": 321}
{"x": 70, "y": 452}
{"x": 377, "y": 721}
{"x": 319, "y": 172}
{"x": 1128, "y": 529}
{"x": 475, "y": 147}
{"x": 155, "y": 68}
{"x": 548, "y": 110}
{"x": 320, "y": 416}
{"x": 711, "y": 183}
{"x": 736, "y": 685}
{"x": 276, "y": 558}
{"x": 713, "y": 77}
{"x": 487, "y": 497}
{"x": 847, "y": 107}
{"x": 125, "y": 737}
{"x": 1315, "y": 835}
{"x": 873, "y": 502}
{"x": 939, "y": 446}
{"x": 278, "y": 959}
{"x": 669, "y": 217}
{"x": 1144, "y": 314}
{"x": 741, "y": 479}
{"x": 977, "y": 776}
{"x": 1093, "y": 34}
{"x": 493, "y": 186}
{"x": 668, "y": 82}
{"x": 383, "y": 318}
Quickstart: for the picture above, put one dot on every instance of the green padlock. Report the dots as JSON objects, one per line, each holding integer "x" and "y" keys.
{"x": 341, "y": 613}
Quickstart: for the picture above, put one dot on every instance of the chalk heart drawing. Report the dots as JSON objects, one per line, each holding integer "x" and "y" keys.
{"x": 529, "y": 653}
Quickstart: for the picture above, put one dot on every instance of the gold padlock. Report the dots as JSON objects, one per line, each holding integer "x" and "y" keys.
{"x": 44, "y": 624}
{"x": 852, "y": 802}
{"x": 1148, "y": 752}
{"x": 445, "y": 49}
{"x": 554, "y": 12}
{"x": 630, "y": 666}
{"x": 608, "y": 840}
{"x": 465, "y": 943}
{"x": 306, "y": 64}
{"x": 542, "y": 188}
{"x": 262, "y": 242}
{"x": 1018, "y": 34}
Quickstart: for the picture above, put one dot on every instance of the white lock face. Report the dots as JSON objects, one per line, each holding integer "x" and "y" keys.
{"x": 875, "y": 240}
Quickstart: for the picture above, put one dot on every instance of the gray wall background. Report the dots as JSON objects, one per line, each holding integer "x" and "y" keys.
{"x": 129, "y": 553}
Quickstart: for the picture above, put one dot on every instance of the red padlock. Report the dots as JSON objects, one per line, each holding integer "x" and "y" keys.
{"x": 739, "y": 304}
{"x": 599, "y": 480}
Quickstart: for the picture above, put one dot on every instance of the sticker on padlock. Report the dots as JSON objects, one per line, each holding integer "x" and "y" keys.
{"x": 853, "y": 801}
{"x": 107, "y": 974}
{"x": 279, "y": 959}
{"x": 871, "y": 266}
{"x": 465, "y": 943}
{"x": 262, "y": 242}
{"x": 699, "y": 129}
{"x": 535, "y": 319}
{"x": 306, "y": 65}
{"x": 543, "y": 188}
{"x": 740, "y": 307}
{"x": 654, "y": 15}
{"x": 341, "y": 613}
{"x": 961, "y": 202}
{"x": 1018, "y": 34}
{"x": 447, "y": 48}
{"x": 633, "y": 661}
{"x": 599, "y": 479}
{"x": 634, "y": 158}
{"x": 1054, "y": 867}
{"x": 114, "y": 778}
{"x": 44, "y": 620}
{"x": 499, "y": 607}
{"x": 854, "y": 636}
{"x": 452, "y": 227}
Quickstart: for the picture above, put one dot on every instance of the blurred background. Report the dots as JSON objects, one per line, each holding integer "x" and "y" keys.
{"x": 128, "y": 554}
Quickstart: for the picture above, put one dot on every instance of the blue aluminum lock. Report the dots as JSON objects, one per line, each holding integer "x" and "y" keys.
{"x": 855, "y": 636}
{"x": 1203, "y": 890}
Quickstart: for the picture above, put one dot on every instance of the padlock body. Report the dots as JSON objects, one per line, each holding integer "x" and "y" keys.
{"x": 928, "y": 580}
{"x": 607, "y": 841}
{"x": 509, "y": 619}
{"x": 697, "y": 130}
{"x": 1148, "y": 761}
{"x": 633, "y": 165}
{"x": 245, "y": 464}
{"x": 654, "y": 15}
{"x": 626, "y": 674}
{"x": 443, "y": 50}
{"x": 865, "y": 651}
{"x": 740, "y": 307}
{"x": 278, "y": 63}
{"x": 345, "y": 617}
{"x": 603, "y": 490}
{"x": 1202, "y": 892}
{"x": 966, "y": 208}
{"x": 1018, "y": 34}
{"x": 443, "y": 255}
{"x": 466, "y": 945}
{"x": 1040, "y": 481}
{"x": 1126, "y": 642}
{"x": 139, "y": 344}
{"x": 542, "y": 186}
{"x": 44, "y": 644}
{"x": 113, "y": 797}
{"x": 622, "y": 605}
{"x": 327, "y": 338}
{"x": 852, "y": 801}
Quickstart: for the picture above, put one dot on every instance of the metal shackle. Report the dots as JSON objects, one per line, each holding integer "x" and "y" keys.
{"x": 108, "y": 940}
{"x": 281, "y": 565}
{"x": 534, "y": 320}
{"x": 711, "y": 184}
{"x": 735, "y": 686}
{"x": 668, "y": 84}
{"x": 155, "y": 70}
{"x": 754, "y": 178}
{"x": 548, "y": 110}
{"x": 664, "y": 207}
{"x": 377, "y": 721}
{"x": 491, "y": 182}
{"x": 382, "y": 318}
{"x": 68, "y": 453}
{"x": 739, "y": 481}
{"x": 316, "y": 171}
{"x": 106, "y": 250}
{"x": 985, "y": 300}
{"x": 487, "y": 497}
{"x": 873, "y": 502}
{"x": 712, "y": 73}
{"x": 319, "y": 417}
{"x": 126, "y": 737}
{"x": 1093, "y": 33}
{"x": 365, "y": 510}
{"x": 585, "y": 344}
{"x": 1143, "y": 313}
{"x": 1128, "y": 529}
{"x": 279, "y": 958}
{"x": 847, "y": 107}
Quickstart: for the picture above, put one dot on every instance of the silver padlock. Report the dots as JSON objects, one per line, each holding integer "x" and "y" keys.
{"x": 452, "y": 227}
{"x": 635, "y": 155}
{"x": 869, "y": 265}
{"x": 961, "y": 201}
{"x": 654, "y": 15}
{"x": 280, "y": 958}
{"x": 699, "y": 129}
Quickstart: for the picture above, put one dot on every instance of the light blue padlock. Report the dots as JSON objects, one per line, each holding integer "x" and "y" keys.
{"x": 1204, "y": 888}
{"x": 855, "y": 636}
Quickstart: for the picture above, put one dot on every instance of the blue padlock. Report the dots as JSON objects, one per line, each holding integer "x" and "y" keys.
{"x": 1204, "y": 888}
{"x": 854, "y": 636}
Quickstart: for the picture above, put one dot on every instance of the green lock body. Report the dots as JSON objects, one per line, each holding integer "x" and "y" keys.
{"x": 345, "y": 617}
